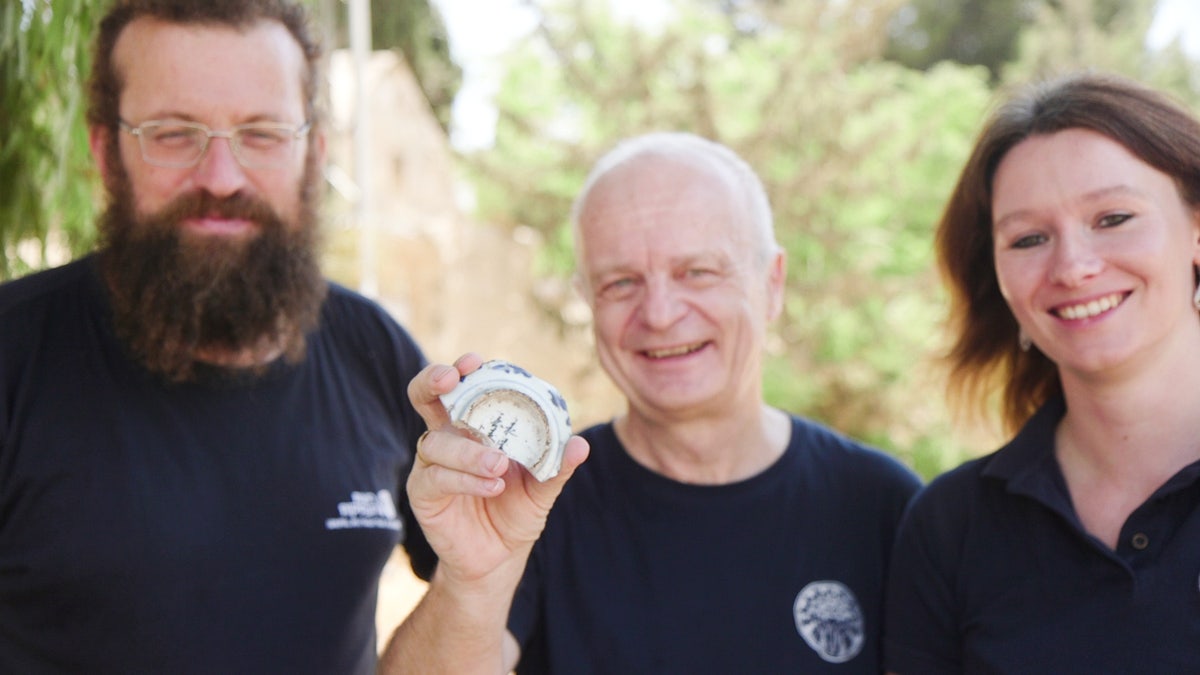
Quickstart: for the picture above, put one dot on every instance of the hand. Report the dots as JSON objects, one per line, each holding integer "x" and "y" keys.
{"x": 478, "y": 509}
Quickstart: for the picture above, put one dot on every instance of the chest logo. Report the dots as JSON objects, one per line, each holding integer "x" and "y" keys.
{"x": 374, "y": 510}
{"x": 830, "y": 620}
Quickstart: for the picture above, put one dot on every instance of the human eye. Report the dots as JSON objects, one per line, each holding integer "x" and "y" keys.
{"x": 263, "y": 137}
{"x": 1113, "y": 219}
{"x": 617, "y": 288}
{"x": 173, "y": 136}
{"x": 1028, "y": 240}
{"x": 700, "y": 275}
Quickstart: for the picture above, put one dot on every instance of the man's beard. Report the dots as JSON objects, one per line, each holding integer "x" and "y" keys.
{"x": 175, "y": 296}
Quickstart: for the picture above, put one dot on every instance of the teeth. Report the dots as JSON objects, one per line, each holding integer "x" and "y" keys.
{"x": 1090, "y": 309}
{"x": 674, "y": 351}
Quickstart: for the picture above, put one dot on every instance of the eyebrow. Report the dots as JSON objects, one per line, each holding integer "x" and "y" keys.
{"x": 1087, "y": 197}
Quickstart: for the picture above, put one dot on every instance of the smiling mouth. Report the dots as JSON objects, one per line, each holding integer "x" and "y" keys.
{"x": 1087, "y": 310}
{"x": 674, "y": 351}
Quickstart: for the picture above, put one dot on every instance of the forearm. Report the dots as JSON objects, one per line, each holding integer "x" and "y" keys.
{"x": 460, "y": 626}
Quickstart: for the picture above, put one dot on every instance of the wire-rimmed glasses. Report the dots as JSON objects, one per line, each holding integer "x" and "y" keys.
{"x": 177, "y": 145}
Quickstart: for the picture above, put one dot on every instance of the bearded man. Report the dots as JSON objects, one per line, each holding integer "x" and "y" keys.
{"x": 203, "y": 444}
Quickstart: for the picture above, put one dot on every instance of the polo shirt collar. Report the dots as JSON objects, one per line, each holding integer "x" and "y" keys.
{"x": 1027, "y": 464}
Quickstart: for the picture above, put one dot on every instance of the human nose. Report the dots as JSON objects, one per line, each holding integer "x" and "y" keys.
{"x": 218, "y": 170}
{"x": 662, "y": 304}
{"x": 1075, "y": 260}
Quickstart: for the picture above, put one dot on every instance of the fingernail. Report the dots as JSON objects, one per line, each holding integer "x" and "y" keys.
{"x": 494, "y": 460}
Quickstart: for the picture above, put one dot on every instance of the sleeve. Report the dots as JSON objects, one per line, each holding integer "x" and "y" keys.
{"x": 410, "y": 361}
{"x": 524, "y": 617}
{"x": 920, "y": 626}
{"x": 394, "y": 358}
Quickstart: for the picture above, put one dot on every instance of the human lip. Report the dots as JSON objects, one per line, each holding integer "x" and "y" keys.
{"x": 669, "y": 352}
{"x": 1091, "y": 308}
{"x": 219, "y": 226}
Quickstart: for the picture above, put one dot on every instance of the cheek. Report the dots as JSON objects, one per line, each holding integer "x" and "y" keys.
{"x": 1013, "y": 273}
{"x": 607, "y": 326}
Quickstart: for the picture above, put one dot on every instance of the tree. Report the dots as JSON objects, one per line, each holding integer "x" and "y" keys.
{"x": 991, "y": 33}
{"x": 46, "y": 181}
{"x": 857, "y": 155}
{"x": 416, "y": 29}
{"x": 49, "y": 193}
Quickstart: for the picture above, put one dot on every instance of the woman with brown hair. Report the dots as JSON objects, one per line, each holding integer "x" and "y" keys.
{"x": 1070, "y": 246}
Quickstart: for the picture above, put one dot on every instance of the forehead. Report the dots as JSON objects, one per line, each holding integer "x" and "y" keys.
{"x": 665, "y": 208}
{"x": 1070, "y": 162}
{"x": 209, "y": 70}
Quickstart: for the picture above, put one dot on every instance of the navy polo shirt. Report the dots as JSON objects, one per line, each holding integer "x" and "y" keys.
{"x": 994, "y": 573}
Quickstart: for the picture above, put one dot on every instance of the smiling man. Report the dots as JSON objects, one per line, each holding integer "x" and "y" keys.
{"x": 707, "y": 532}
{"x": 188, "y": 414}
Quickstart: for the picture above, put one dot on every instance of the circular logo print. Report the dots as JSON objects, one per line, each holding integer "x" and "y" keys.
{"x": 830, "y": 621}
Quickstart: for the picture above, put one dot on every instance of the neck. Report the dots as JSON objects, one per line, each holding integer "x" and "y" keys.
{"x": 710, "y": 451}
{"x": 1121, "y": 439}
{"x": 1143, "y": 424}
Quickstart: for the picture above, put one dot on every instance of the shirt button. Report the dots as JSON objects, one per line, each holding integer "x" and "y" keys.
{"x": 1140, "y": 541}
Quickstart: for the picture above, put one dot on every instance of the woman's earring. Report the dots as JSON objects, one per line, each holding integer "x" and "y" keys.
{"x": 1196, "y": 298}
{"x": 1025, "y": 343}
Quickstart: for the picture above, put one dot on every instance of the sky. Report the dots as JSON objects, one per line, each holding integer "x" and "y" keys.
{"x": 482, "y": 29}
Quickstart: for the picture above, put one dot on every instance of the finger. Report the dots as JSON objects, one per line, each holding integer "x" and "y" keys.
{"x": 451, "y": 465}
{"x": 434, "y": 380}
{"x": 468, "y": 363}
{"x": 434, "y": 483}
{"x": 455, "y": 449}
{"x": 574, "y": 454}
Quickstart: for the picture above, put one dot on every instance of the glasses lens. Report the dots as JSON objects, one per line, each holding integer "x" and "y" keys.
{"x": 264, "y": 145}
{"x": 172, "y": 144}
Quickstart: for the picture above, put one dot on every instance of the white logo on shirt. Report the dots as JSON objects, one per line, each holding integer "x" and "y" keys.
{"x": 366, "y": 510}
{"x": 830, "y": 621}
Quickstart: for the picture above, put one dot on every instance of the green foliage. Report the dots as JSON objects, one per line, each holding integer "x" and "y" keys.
{"x": 414, "y": 28}
{"x": 48, "y": 188}
{"x": 969, "y": 32}
{"x": 857, "y": 155}
{"x": 45, "y": 166}
{"x": 1073, "y": 34}
{"x": 991, "y": 33}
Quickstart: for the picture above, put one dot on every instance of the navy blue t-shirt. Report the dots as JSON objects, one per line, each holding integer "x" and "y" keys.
{"x": 994, "y": 573}
{"x": 219, "y": 526}
{"x": 779, "y": 573}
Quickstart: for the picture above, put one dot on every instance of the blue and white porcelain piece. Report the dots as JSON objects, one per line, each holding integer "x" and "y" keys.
{"x": 510, "y": 409}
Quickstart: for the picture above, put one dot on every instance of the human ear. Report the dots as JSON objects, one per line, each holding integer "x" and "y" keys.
{"x": 776, "y": 280}
{"x": 98, "y": 143}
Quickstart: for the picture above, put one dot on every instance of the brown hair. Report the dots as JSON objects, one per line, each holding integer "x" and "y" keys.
{"x": 985, "y": 354}
{"x": 104, "y": 85}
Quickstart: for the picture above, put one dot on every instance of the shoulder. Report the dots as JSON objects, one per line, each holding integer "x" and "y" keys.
{"x": 840, "y": 457}
{"x": 948, "y": 502}
{"x": 60, "y": 303}
{"x": 362, "y": 325}
{"x": 25, "y": 293}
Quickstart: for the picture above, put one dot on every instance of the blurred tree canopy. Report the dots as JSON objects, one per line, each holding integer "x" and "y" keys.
{"x": 856, "y": 113}
{"x": 415, "y": 28}
{"x": 49, "y": 192}
{"x": 46, "y": 187}
{"x": 989, "y": 33}
{"x": 858, "y": 152}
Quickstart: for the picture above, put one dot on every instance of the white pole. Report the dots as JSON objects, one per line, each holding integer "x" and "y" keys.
{"x": 360, "y": 46}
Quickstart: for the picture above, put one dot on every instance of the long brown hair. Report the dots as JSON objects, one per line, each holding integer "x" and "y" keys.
{"x": 985, "y": 354}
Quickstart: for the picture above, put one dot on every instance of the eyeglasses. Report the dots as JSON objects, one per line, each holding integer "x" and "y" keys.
{"x": 259, "y": 145}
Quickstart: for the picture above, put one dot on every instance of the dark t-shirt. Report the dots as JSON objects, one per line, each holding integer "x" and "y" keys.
{"x": 220, "y": 526}
{"x": 994, "y": 573}
{"x": 779, "y": 573}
